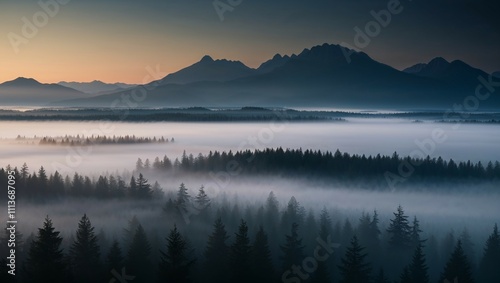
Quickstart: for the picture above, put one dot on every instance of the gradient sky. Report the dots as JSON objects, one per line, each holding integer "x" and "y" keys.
{"x": 117, "y": 40}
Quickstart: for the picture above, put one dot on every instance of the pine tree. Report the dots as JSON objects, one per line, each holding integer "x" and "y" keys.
{"x": 468, "y": 247}
{"x": 447, "y": 245}
{"x": 216, "y": 254}
{"x": 129, "y": 232}
{"x": 353, "y": 268}
{"x": 137, "y": 262}
{"x": 415, "y": 233}
{"x": 156, "y": 191}
{"x": 139, "y": 165}
{"x": 175, "y": 263}
{"x": 262, "y": 265}
{"x": 114, "y": 258}
{"x": 293, "y": 213}
{"x": 293, "y": 249}
{"x": 489, "y": 270}
{"x": 322, "y": 274}
{"x": 56, "y": 184}
{"x": 43, "y": 181}
{"x": 202, "y": 200}
{"x": 132, "y": 189}
{"x": 45, "y": 261}
{"x": 400, "y": 231}
{"x": 85, "y": 254}
{"x": 182, "y": 201}
{"x": 418, "y": 267}
{"x": 102, "y": 187}
{"x": 458, "y": 267}
{"x": 239, "y": 255}
{"x": 143, "y": 188}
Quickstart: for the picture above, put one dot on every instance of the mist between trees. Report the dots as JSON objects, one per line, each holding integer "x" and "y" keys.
{"x": 264, "y": 242}
{"x": 190, "y": 234}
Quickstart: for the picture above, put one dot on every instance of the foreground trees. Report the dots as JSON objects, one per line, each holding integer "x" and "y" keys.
{"x": 246, "y": 256}
{"x": 46, "y": 261}
{"x": 458, "y": 267}
{"x": 354, "y": 268}
{"x": 85, "y": 253}
{"x": 175, "y": 262}
{"x": 489, "y": 268}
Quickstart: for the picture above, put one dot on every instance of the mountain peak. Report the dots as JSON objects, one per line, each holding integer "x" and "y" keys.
{"x": 277, "y": 57}
{"x": 22, "y": 81}
{"x": 438, "y": 61}
{"x": 206, "y": 58}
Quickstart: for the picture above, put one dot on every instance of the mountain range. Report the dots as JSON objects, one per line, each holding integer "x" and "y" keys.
{"x": 317, "y": 77}
{"x": 96, "y": 87}
{"x": 27, "y": 91}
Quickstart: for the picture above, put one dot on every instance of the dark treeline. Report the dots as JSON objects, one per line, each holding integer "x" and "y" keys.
{"x": 260, "y": 243}
{"x": 341, "y": 166}
{"x": 41, "y": 186}
{"x": 228, "y": 114}
{"x": 82, "y": 140}
{"x": 196, "y": 114}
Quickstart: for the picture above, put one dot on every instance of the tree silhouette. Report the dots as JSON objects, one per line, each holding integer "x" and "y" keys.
{"x": 322, "y": 274}
{"x": 137, "y": 262}
{"x": 114, "y": 258}
{"x": 293, "y": 249}
{"x": 418, "y": 267}
{"x": 415, "y": 233}
{"x": 458, "y": 267}
{"x": 202, "y": 201}
{"x": 182, "y": 200}
{"x": 400, "y": 230}
{"x": 353, "y": 268}
{"x": 85, "y": 254}
{"x": 262, "y": 265}
{"x": 143, "y": 188}
{"x": 239, "y": 255}
{"x": 175, "y": 263}
{"x": 489, "y": 270}
{"x": 45, "y": 261}
{"x": 216, "y": 254}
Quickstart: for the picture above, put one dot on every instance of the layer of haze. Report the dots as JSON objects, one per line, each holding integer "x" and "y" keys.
{"x": 475, "y": 142}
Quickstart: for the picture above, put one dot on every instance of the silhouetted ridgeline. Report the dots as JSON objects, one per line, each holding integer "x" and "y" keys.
{"x": 342, "y": 166}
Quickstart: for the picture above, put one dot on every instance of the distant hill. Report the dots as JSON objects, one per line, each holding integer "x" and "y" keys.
{"x": 96, "y": 87}
{"x": 208, "y": 69}
{"x": 456, "y": 73}
{"x": 27, "y": 91}
{"x": 496, "y": 74}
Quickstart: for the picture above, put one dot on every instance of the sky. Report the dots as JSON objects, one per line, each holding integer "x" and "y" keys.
{"x": 139, "y": 41}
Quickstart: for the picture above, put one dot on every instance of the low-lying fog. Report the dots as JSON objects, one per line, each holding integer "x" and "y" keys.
{"x": 475, "y": 142}
{"x": 438, "y": 213}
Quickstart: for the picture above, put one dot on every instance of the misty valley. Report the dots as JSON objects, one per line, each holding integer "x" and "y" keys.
{"x": 251, "y": 195}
